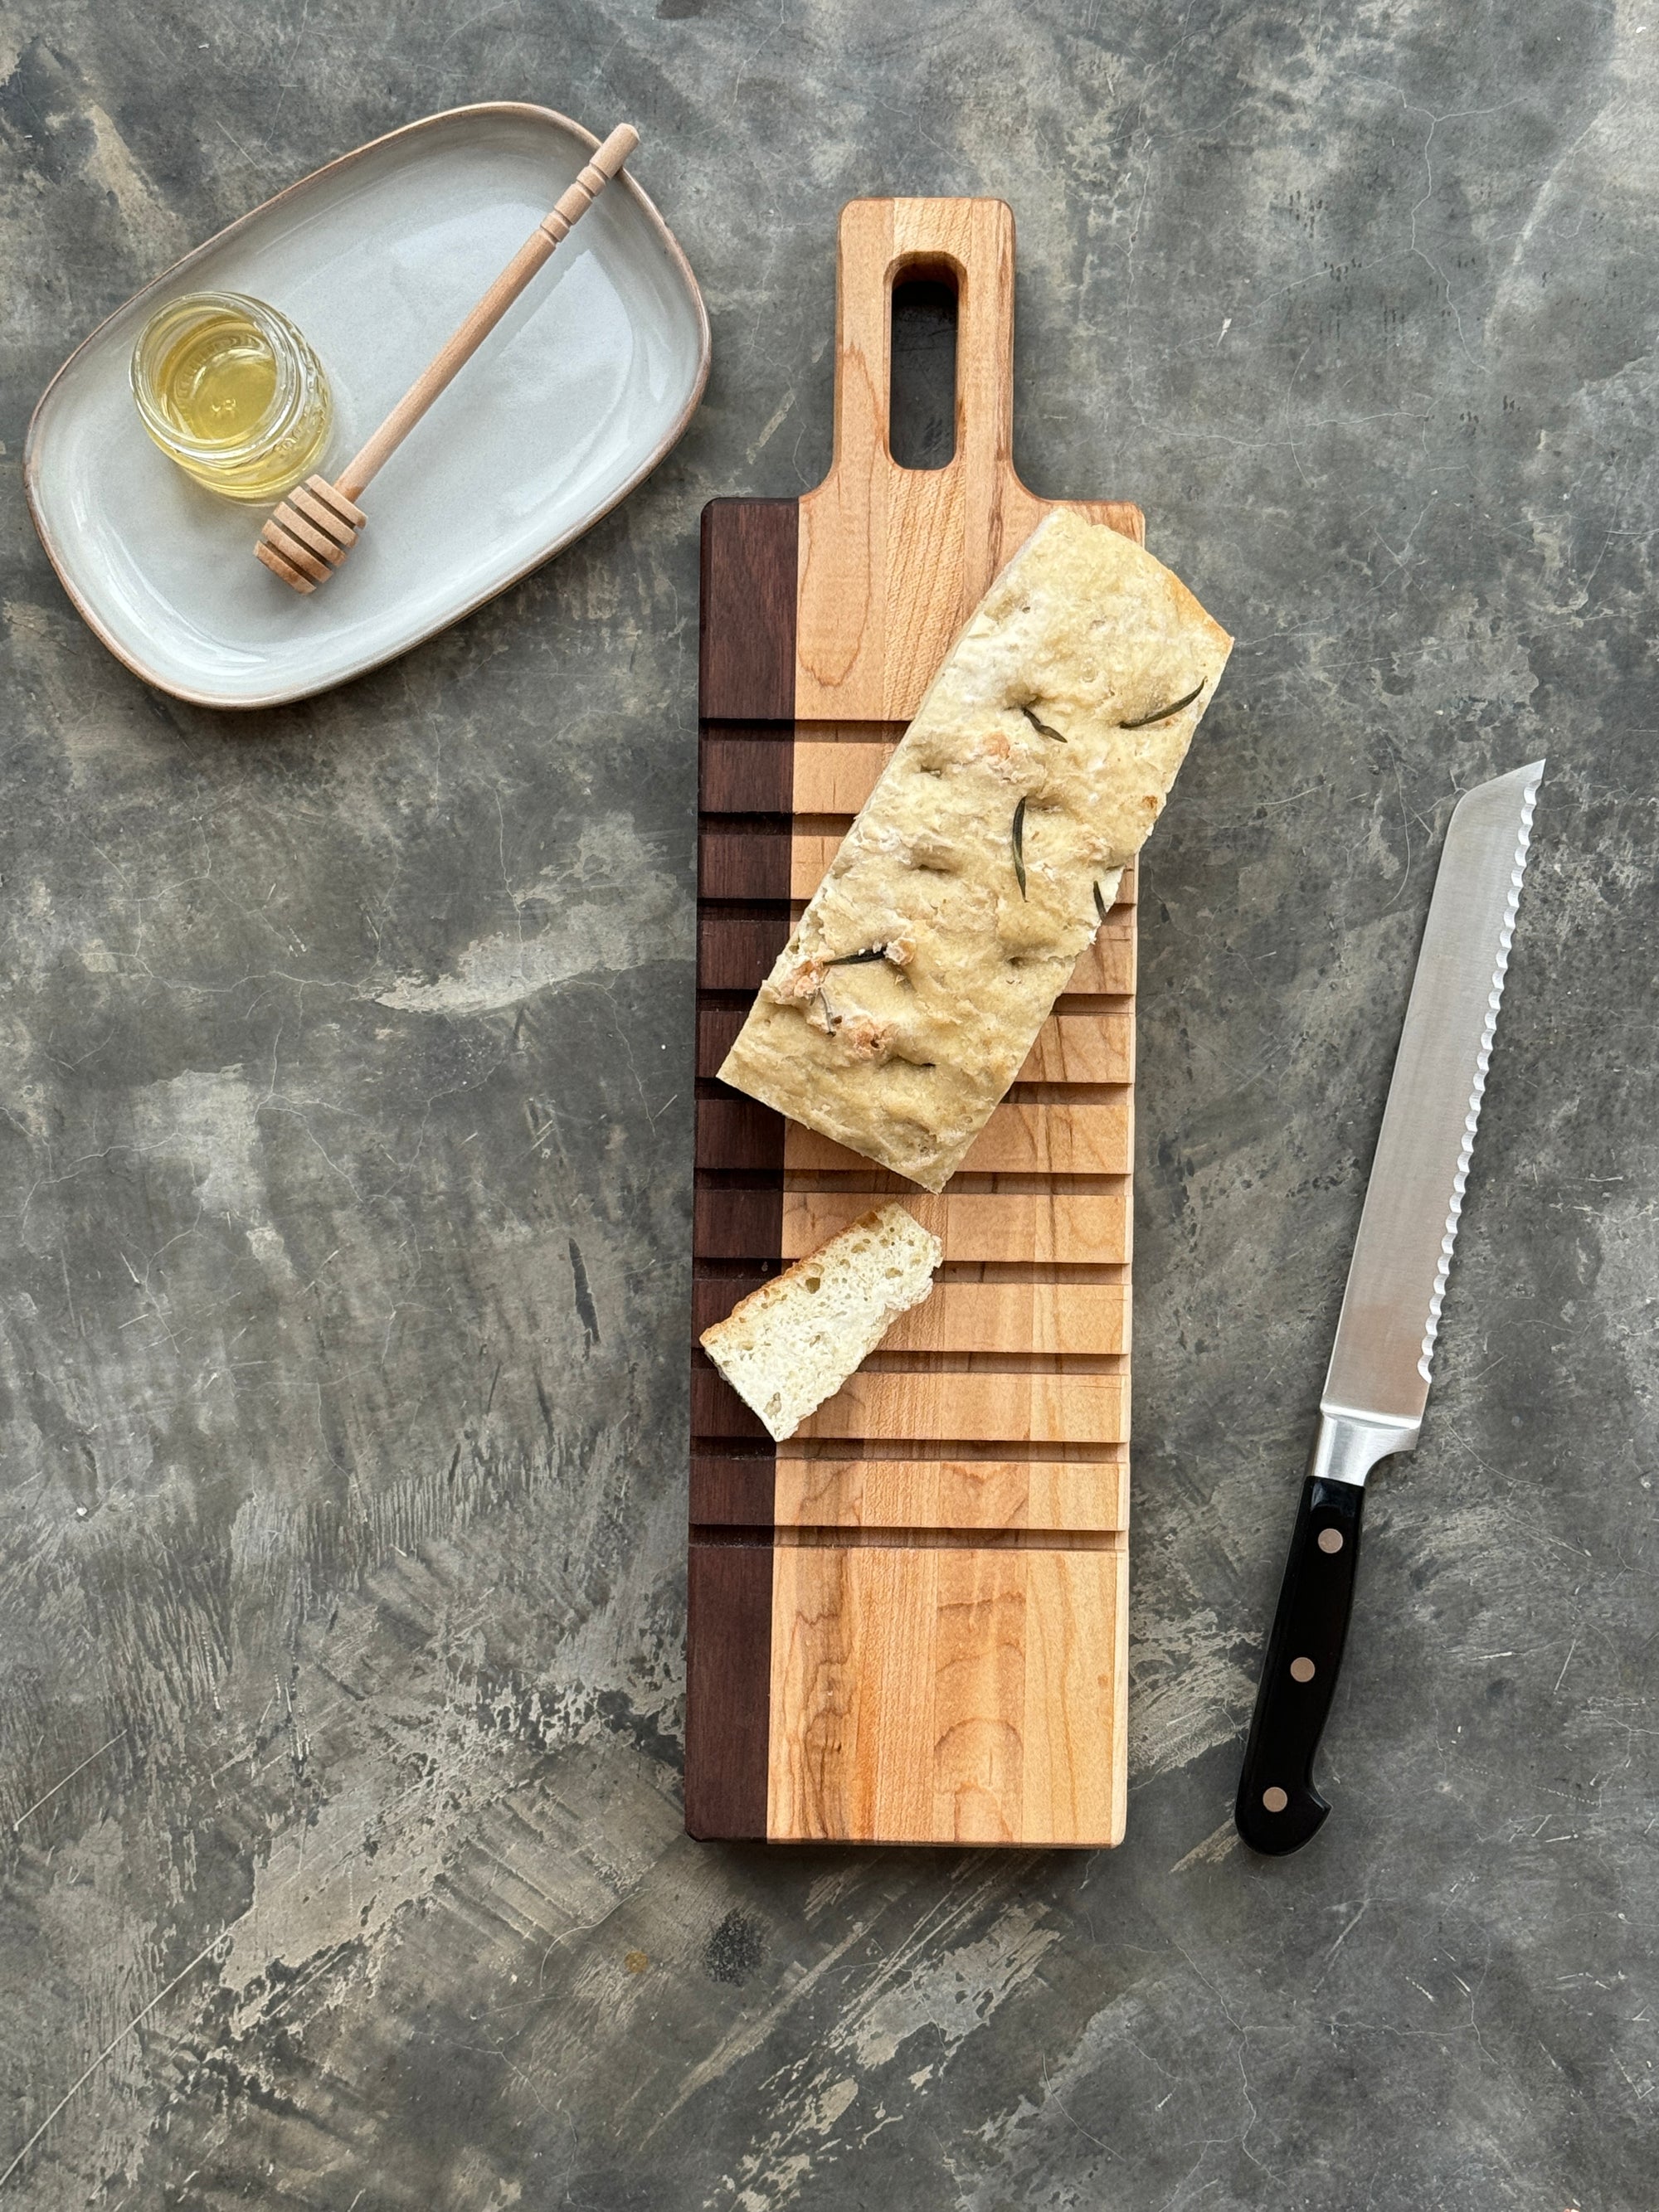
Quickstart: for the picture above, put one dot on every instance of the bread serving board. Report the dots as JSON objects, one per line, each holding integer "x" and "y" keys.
{"x": 907, "y": 1623}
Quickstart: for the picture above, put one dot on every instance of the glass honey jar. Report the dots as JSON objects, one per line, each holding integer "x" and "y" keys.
{"x": 230, "y": 390}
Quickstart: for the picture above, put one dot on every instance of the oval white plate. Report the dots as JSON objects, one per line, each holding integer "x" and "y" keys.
{"x": 577, "y": 395}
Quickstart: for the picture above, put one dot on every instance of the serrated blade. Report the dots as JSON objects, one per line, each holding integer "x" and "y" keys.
{"x": 1380, "y": 1366}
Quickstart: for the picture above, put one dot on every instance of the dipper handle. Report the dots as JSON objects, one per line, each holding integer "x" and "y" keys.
{"x": 554, "y": 226}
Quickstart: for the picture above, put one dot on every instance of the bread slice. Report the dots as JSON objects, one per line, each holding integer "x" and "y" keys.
{"x": 792, "y": 1343}
{"x": 986, "y": 858}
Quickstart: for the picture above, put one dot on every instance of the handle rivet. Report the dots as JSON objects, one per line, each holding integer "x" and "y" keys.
{"x": 1275, "y": 1799}
{"x": 1301, "y": 1670}
{"x": 1330, "y": 1540}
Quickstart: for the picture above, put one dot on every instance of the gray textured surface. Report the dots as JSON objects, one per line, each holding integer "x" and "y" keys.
{"x": 344, "y": 1179}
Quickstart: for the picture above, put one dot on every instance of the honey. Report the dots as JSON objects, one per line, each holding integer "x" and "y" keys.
{"x": 218, "y": 377}
{"x": 228, "y": 389}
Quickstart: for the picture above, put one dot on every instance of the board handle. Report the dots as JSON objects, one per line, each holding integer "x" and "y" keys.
{"x": 968, "y": 243}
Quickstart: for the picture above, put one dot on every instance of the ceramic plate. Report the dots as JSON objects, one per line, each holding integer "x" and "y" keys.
{"x": 576, "y": 395}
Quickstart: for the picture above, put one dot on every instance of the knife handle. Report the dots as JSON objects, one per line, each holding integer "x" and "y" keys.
{"x": 1278, "y": 1807}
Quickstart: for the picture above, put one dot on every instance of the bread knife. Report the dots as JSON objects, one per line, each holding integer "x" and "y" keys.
{"x": 1377, "y": 1384}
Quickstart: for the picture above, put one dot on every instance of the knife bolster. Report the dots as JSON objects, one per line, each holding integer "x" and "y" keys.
{"x": 1349, "y": 1444}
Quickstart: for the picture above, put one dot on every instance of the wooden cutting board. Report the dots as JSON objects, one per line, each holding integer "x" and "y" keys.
{"x": 907, "y": 1624}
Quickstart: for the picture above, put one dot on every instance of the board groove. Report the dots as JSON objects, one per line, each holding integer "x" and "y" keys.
{"x": 969, "y": 1538}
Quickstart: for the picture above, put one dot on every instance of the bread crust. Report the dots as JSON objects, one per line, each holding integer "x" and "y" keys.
{"x": 983, "y": 862}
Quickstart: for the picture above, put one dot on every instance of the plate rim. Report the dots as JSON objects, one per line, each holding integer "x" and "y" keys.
{"x": 288, "y": 695}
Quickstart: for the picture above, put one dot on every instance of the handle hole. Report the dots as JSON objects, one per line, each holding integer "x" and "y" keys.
{"x": 921, "y": 408}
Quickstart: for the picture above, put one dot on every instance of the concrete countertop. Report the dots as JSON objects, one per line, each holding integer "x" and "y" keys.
{"x": 345, "y": 1172}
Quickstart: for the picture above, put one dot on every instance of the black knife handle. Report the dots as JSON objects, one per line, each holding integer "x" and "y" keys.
{"x": 1278, "y": 1807}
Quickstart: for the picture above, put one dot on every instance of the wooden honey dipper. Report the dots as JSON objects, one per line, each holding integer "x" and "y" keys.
{"x": 318, "y": 524}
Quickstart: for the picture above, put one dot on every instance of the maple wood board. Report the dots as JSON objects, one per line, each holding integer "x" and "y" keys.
{"x": 908, "y": 1622}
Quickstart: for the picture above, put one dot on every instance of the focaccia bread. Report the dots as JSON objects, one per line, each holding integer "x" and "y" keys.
{"x": 792, "y": 1343}
{"x": 986, "y": 856}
